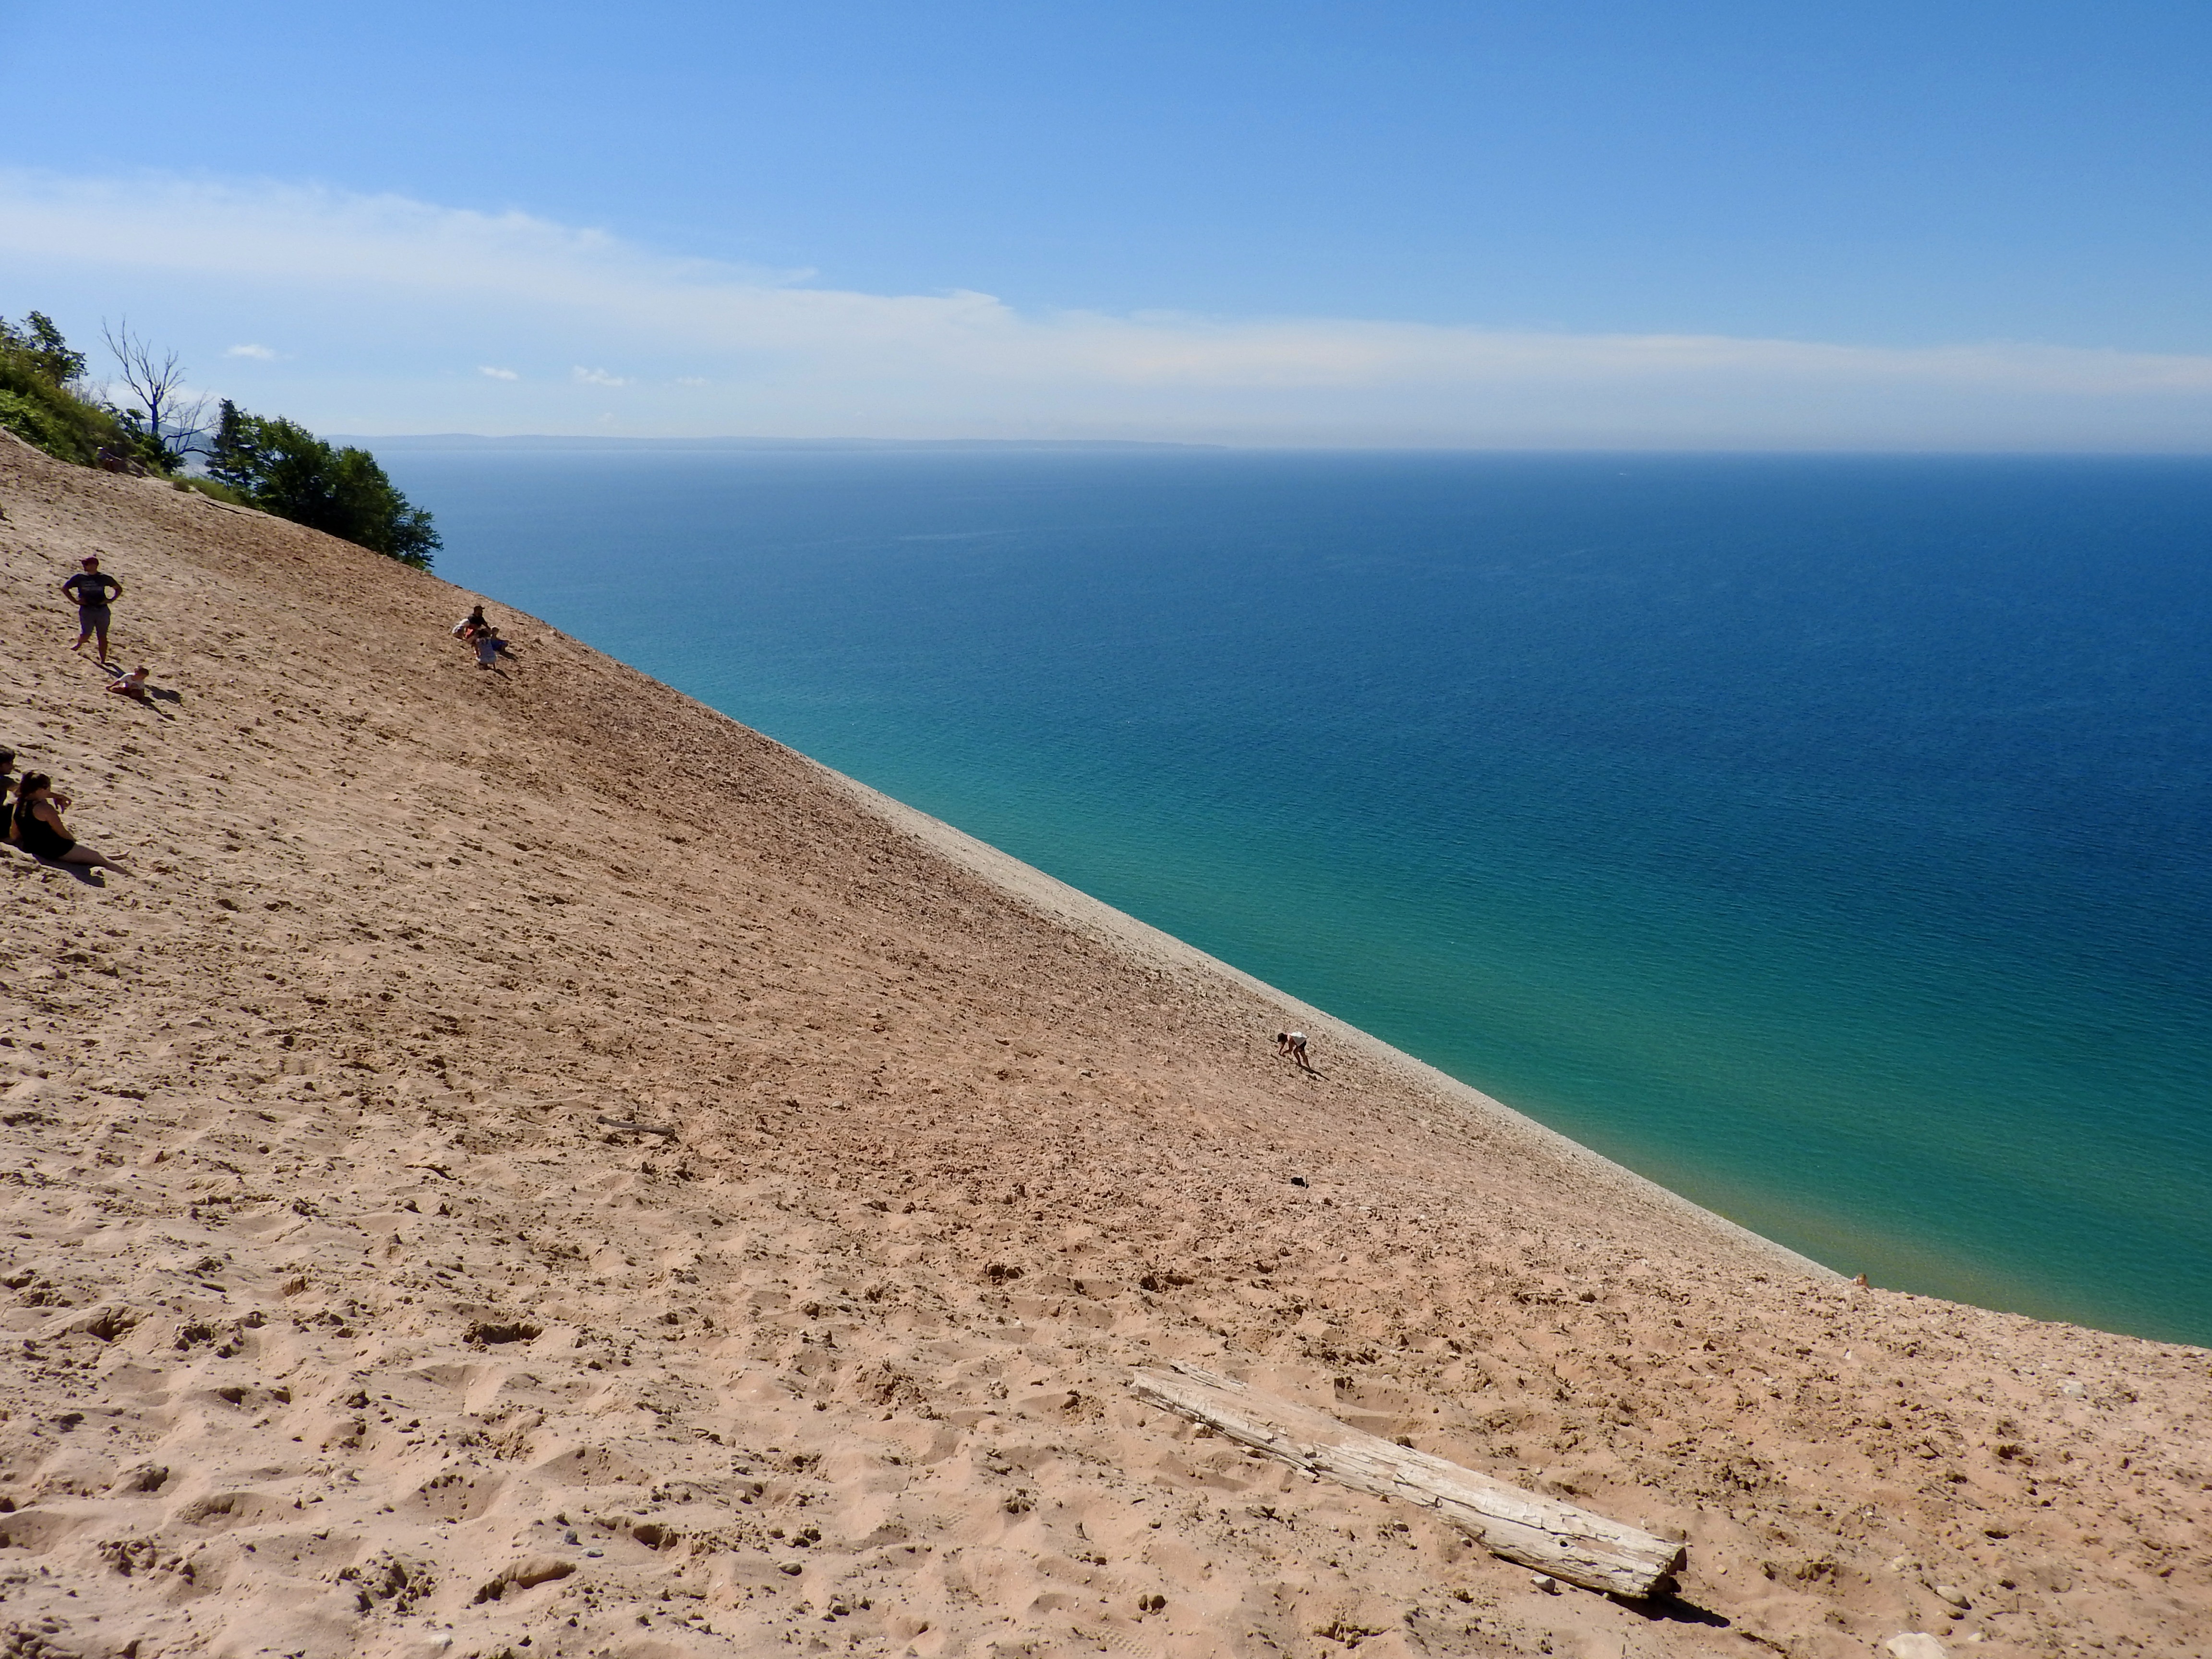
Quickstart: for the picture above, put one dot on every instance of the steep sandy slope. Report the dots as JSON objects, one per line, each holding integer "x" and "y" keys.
{"x": 339, "y": 1322}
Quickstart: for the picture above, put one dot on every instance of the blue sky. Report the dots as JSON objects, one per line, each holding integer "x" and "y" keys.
{"x": 1914, "y": 225}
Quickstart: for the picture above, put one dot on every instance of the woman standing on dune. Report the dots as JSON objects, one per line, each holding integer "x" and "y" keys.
{"x": 92, "y": 588}
{"x": 40, "y": 832}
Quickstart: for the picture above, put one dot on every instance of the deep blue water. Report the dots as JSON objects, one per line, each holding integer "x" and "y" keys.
{"x": 1826, "y": 838}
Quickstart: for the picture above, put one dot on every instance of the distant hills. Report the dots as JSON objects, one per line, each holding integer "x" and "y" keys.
{"x": 477, "y": 441}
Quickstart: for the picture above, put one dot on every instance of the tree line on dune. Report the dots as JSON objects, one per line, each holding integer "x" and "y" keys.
{"x": 161, "y": 429}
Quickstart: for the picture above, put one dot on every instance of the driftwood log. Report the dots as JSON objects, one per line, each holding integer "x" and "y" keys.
{"x": 1542, "y": 1532}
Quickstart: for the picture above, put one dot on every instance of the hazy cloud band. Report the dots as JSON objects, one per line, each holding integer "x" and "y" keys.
{"x": 693, "y": 346}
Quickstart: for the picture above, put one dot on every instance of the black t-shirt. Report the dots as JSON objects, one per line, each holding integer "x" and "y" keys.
{"x": 92, "y": 586}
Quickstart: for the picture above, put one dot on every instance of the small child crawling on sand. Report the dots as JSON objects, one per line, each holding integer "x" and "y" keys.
{"x": 131, "y": 685}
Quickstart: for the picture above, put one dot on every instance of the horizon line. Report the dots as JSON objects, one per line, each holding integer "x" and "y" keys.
{"x": 584, "y": 440}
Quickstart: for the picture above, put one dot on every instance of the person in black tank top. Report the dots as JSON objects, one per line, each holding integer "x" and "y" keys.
{"x": 40, "y": 832}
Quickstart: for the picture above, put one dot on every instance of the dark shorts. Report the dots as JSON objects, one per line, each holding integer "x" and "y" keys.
{"x": 91, "y": 617}
{"x": 40, "y": 841}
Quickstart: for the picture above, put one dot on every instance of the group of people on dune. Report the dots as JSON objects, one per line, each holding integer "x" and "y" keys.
{"x": 31, "y": 821}
{"x": 477, "y": 632}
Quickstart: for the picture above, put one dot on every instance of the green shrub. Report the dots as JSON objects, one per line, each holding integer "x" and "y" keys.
{"x": 40, "y": 411}
{"x": 32, "y": 421}
{"x": 213, "y": 489}
{"x": 40, "y": 401}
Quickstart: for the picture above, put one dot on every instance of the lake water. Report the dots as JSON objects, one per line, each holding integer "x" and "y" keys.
{"x": 1829, "y": 839}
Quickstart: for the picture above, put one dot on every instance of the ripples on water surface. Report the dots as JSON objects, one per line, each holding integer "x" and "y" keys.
{"x": 1825, "y": 838}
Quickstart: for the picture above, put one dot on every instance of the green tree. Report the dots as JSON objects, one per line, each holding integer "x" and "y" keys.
{"x": 43, "y": 347}
{"x": 234, "y": 454}
{"x": 282, "y": 468}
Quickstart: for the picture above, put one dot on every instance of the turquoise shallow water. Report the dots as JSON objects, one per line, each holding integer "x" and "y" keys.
{"x": 1825, "y": 838}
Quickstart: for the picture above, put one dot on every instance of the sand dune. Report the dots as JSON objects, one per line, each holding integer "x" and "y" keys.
{"x": 339, "y": 1322}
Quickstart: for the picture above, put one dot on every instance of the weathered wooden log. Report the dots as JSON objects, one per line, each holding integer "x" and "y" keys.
{"x": 1542, "y": 1532}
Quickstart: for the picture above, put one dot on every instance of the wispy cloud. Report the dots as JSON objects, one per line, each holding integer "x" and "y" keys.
{"x": 491, "y": 374}
{"x": 393, "y": 275}
{"x": 263, "y": 352}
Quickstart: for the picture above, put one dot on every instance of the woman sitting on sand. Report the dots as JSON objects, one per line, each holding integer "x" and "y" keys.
{"x": 469, "y": 626}
{"x": 40, "y": 832}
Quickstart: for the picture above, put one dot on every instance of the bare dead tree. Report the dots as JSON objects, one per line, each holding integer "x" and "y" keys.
{"x": 175, "y": 421}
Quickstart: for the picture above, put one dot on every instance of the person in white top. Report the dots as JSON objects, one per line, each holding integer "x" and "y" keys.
{"x": 131, "y": 685}
{"x": 1293, "y": 1043}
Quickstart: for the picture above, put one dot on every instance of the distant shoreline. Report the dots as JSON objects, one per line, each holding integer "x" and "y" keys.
{"x": 433, "y": 442}
{"x": 463, "y": 441}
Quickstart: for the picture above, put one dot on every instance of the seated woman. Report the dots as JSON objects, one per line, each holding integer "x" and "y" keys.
{"x": 40, "y": 832}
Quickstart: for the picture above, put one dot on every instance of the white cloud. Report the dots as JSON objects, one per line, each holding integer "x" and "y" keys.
{"x": 261, "y": 352}
{"x": 397, "y": 283}
{"x": 491, "y": 374}
{"x": 693, "y": 379}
